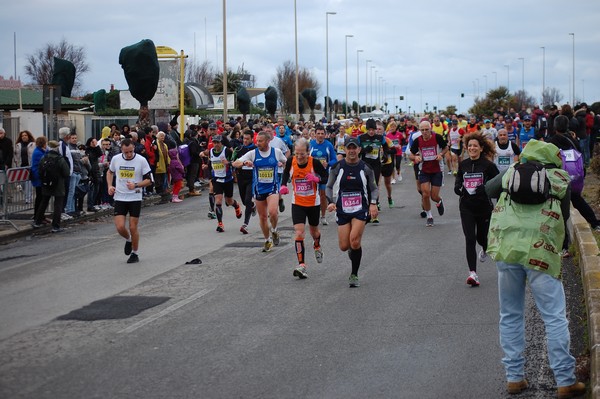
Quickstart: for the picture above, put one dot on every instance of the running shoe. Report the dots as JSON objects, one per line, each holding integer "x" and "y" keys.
{"x": 238, "y": 212}
{"x": 565, "y": 253}
{"x": 324, "y": 221}
{"x": 399, "y": 178}
{"x": 281, "y": 205}
{"x": 300, "y": 272}
{"x": 319, "y": 254}
{"x": 58, "y": 230}
{"x": 244, "y": 229}
{"x": 390, "y": 202}
{"x": 423, "y": 214}
{"x": 393, "y": 181}
{"x": 378, "y": 206}
{"x": 268, "y": 246}
{"x": 133, "y": 258}
{"x": 353, "y": 281}
{"x": 449, "y": 172}
{"x": 275, "y": 235}
{"x": 65, "y": 216}
{"x": 473, "y": 279}
{"x": 440, "y": 207}
{"x": 375, "y": 220}
{"x": 254, "y": 210}
{"x": 429, "y": 222}
{"x": 220, "y": 227}
{"x": 212, "y": 215}
{"x": 482, "y": 256}
{"x": 128, "y": 247}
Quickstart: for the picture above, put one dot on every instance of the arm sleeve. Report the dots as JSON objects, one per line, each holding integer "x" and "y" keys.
{"x": 441, "y": 142}
{"x": 458, "y": 181}
{"x": 320, "y": 170}
{"x": 332, "y": 156}
{"x": 286, "y": 172}
{"x": 333, "y": 174}
{"x": 372, "y": 184}
{"x": 414, "y": 147}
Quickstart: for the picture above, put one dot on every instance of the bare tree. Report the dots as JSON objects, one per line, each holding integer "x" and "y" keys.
{"x": 203, "y": 73}
{"x": 285, "y": 83}
{"x": 40, "y": 65}
{"x": 551, "y": 95}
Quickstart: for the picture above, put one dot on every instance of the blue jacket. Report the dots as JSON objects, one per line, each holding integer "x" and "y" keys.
{"x": 38, "y": 153}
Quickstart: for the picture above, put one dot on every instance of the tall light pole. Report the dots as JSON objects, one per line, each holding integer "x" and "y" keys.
{"x": 543, "y": 73}
{"x": 376, "y": 83}
{"x": 357, "y": 82}
{"x": 573, "y": 98}
{"x": 367, "y": 81}
{"x": 507, "y": 77}
{"x": 522, "y": 75}
{"x": 327, "y": 14}
{"x": 225, "y": 118}
{"x": 296, "y": 46}
{"x": 371, "y": 86}
{"x": 347, "y": 36}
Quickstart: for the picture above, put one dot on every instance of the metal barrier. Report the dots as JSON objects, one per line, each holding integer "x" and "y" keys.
{"x": 17, "y": 193}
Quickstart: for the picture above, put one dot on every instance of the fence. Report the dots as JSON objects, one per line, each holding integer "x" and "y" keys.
{"x": 17, "y": 196}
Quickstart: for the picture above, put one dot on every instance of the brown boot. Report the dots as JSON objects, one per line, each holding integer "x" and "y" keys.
{"x": 571, "y": 391}
{"x": 194, "y": 193}
{"x": 517, "y": 387}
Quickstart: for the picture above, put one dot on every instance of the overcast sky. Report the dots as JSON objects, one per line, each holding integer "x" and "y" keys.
{"x": 427, "y": 51}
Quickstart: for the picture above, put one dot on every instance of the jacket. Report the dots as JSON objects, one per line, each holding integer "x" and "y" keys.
{"x": 469, "y": 184}
{"x": 58, "y": 190}
{"x": 175, "y": 167}
{"x": 17, "y": 153}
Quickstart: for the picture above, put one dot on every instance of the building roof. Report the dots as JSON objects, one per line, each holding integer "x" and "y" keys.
{"x": 32, "y": 99}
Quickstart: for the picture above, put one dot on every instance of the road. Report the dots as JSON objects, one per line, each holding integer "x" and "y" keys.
{"x": 240, "y": 325}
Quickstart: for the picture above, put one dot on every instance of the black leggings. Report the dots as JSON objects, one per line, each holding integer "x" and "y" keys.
{"x": 475, "y": 227}
{"x": 245, "y": 189}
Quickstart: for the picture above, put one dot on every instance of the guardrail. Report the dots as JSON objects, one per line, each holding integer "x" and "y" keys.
{"x": 17, "y": 193}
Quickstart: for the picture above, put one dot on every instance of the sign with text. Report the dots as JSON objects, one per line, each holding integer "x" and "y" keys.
{"x": 218, "y": 101}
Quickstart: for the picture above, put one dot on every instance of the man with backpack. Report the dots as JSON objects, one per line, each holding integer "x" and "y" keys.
{"x": 53, "y": 170}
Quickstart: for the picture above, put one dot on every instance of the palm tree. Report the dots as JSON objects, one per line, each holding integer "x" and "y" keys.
{"x": 233, "y": 82}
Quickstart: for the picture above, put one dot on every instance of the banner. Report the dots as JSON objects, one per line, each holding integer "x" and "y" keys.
{"x": 218, "y": 101}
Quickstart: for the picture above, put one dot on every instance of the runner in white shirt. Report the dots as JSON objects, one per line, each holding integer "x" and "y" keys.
{"x": 132, "y": 173}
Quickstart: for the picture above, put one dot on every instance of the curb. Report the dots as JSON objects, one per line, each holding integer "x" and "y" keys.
{"x": 590, "y": 276}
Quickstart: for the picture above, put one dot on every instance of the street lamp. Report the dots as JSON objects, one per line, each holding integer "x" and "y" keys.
{"x": 371, "y": 86}
{"x": 376, "y": 83}
{"x": 296, "y": 48}
{"x": 573, "y": 98}
{"x": 357, "y": 82}
{"x": 225, "y": 106}
{"x": 367, "y": 81}
{"x": 507, "y": 77}
{"x": 543, "y": 72}
{"x": 327, "y": 14}
{"x": 347, "y": 36}
{"x": 522, "y": 75}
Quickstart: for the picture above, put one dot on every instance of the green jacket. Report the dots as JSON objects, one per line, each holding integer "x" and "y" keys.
{"x": 531, "y": 235}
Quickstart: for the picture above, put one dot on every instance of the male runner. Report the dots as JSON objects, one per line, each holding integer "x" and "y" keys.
{"x": 323, "y": 151}
{"x": 244, "y": 180}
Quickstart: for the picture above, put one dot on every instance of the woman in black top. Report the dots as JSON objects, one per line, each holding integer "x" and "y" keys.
{"x": 475, "y": 206}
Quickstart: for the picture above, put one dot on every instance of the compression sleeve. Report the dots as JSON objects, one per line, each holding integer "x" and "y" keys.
{"x": 372, "y": 184}
{"x": 286, "y": 172}
{"x": 333, "y": 174}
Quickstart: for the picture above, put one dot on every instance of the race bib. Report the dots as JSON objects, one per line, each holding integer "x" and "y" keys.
{"x": 504, "y": 160}
{"x": 351, "y": 202}
{"x": 323, "y": 161}
{"x": 218, "y": 166}
{"x": 471, "y": 181}
{"x": 374, "y": 154}
{"x": 266, "y": 175}
{"x": 304, "y": 188}
{"x": 126, "y": 172}
{"x": 341, "y": 148}
{"x": 429, "y": 153}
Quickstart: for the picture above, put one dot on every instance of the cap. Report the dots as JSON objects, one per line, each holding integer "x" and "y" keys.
{"x": 403, "y": 119}
{"x": 217, "y": 137}
{"x": 486, "y": 121}
{"x": 53, "y": 144}
{"x": 351, "y": 141}
{"x": 455, "y": 121}
{"x": 212, "y": 125}
{"x": 527, "y": 118}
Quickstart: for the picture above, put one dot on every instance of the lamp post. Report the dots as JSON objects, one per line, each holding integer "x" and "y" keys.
{"x": 507, "y": 77}
{"x": 225, "y": 118}
{"x": 296, "y": 47}
{"x": 495, "y": 79}
{"x": 543, "y": 73}
{"x": 371, "y": 86}
{"x": 376, "y": 83}
{"x": 522, "y": 75}
{"x": 347, "y": 36}
{"x": 573, "y": 74}
{"x": 357, "y": 82}
{"x": 367, "y": 82}
{"x": 327, "y": 14}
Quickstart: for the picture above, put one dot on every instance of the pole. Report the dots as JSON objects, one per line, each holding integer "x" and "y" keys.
{"x": 225, "y": 118}
{"x": 367, "y": 82}
{"x": 543, "y": 72}
{"x": 327, "y": 14}
{"x": 573, "y": 74}
{"x": 508, "y": 77}
{"x": 495, "y": 79}
{"x": 522, "y": 75}
{"x": 346, "y": 110}
{"x": 181, "y": 95}
{"x": 357, "y": 82}
{"x": 296, "y": 47}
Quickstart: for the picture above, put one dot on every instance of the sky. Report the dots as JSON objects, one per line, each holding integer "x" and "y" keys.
{"x": 427, "y": 51}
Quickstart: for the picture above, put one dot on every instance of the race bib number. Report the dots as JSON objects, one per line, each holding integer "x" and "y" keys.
{"x": 266, "y": 175}
{"x": 374, "y": 154}
{"x": 351, "y": 202}
{"x": 429, "y": 153}
{"x": 304, "y": 188}
{"x": 341, "y": 149}
{"x": 323, "y": 161}
{"x": 504, "y": 160}
{"x": 471, "y": 181}
{"x": 126, "y": 172}
{"x": 218, "y": 166}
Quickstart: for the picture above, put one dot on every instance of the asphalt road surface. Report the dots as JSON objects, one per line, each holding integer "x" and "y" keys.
{"x": 239, "y": 325}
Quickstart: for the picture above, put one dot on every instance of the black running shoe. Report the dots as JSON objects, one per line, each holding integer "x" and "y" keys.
{"x": 128, "y": 247}
{"x": 423, "y": 214}
{"x": 281, "y": 205}
{"x": 133, "y": 258}
{"x": 440, "y": 207}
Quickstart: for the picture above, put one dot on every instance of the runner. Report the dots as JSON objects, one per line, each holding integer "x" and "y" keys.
{"x": 324, "y": 152}
{"x": 244, "y": 180}
{"x": 340, "y": 139}
{"x": 277, "y": 142}
{"x": 397, "y": 139}
{"x": 507, "y": 151}
{"x": 387, "y": 163}
{"x": 222, "y": 179}
{"x": 430, "y": 148}
{"x": 265, "y": 185}
{"x": 356, "y": 201}
{"x": 475, "y": 206}
{"x": 132, "y": 173}
{"x": 456, "y": 135}
{"x": 305, "y": 173}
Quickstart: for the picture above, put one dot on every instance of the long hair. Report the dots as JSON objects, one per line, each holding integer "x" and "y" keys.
{"x": 488, "y": 147}
{"x": 29, "y": 136}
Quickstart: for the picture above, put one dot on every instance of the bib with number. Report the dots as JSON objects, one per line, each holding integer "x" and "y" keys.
{"x": 429, "y": 153}
{"x": 351, "y": 202}
{"x": 471, "y": 181}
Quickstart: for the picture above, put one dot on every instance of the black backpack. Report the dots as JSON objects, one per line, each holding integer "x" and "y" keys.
{"x": 49, "y": 171}
{"x": 529, "y": 183}
{"x": 542, "y": 125}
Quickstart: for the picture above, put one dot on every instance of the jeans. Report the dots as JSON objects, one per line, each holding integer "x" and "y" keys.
{"x": 585, "y": 149}
{"x": 73, "y": 183}
{"x": 549, "y": 298}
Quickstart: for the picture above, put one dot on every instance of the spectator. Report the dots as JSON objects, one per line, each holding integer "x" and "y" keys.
{"x": 6, "y": 150}
{"x": 195, "y": 161}
{"x": 177, "y": 173}
{"x": 94, "y": 153}
{"x": 75, "y": 176}
{"x": 38, "y": 153}
{"x": 162, "y": 164}
{"x": 64, "y": 134}
{"x": 22, "y": 157}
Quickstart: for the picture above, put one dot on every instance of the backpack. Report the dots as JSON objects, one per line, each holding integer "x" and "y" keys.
{"x": 184, "y": 154}
{"x": 542, "y": 125}
{"x": 529, "y": 183}
{"x": 49, "y": 171}
{"x": 573, "y": 165}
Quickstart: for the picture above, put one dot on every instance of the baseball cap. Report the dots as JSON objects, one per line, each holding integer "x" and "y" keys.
{"x": 486, "y": 121}
{"x": 217, "y": 137}
{"x": 527, "y": 118}
{"x": 351, "y": 140}
{"x": 212, "y": 125}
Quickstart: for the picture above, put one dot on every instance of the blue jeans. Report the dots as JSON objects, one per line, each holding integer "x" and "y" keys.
{"x": 73, "y": 182}
{"x": 585, "y": 149}
{"x": 549, "y": 298}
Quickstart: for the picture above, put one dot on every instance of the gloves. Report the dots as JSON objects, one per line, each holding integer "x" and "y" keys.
{"x": 312, "y": 178}
{"x": 458, "y": 190}
{"x": 284, "y": 190}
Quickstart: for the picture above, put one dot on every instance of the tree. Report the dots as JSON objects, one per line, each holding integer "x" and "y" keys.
{"x": 551, "y": 95}
{"x": 285, "y": 82}
{"x": 522, "y": 99}
{"x": 494, "y": 99}
{"x": 203, "y": 73}
{"x": 233, "y": 82}
{"x": 40, "y": 64}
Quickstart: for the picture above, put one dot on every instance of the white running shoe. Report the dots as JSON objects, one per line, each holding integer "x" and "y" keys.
{"x": 393, "y": 181}
{"x": 473, "y": 279}
{"x": 482, "y": 256}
